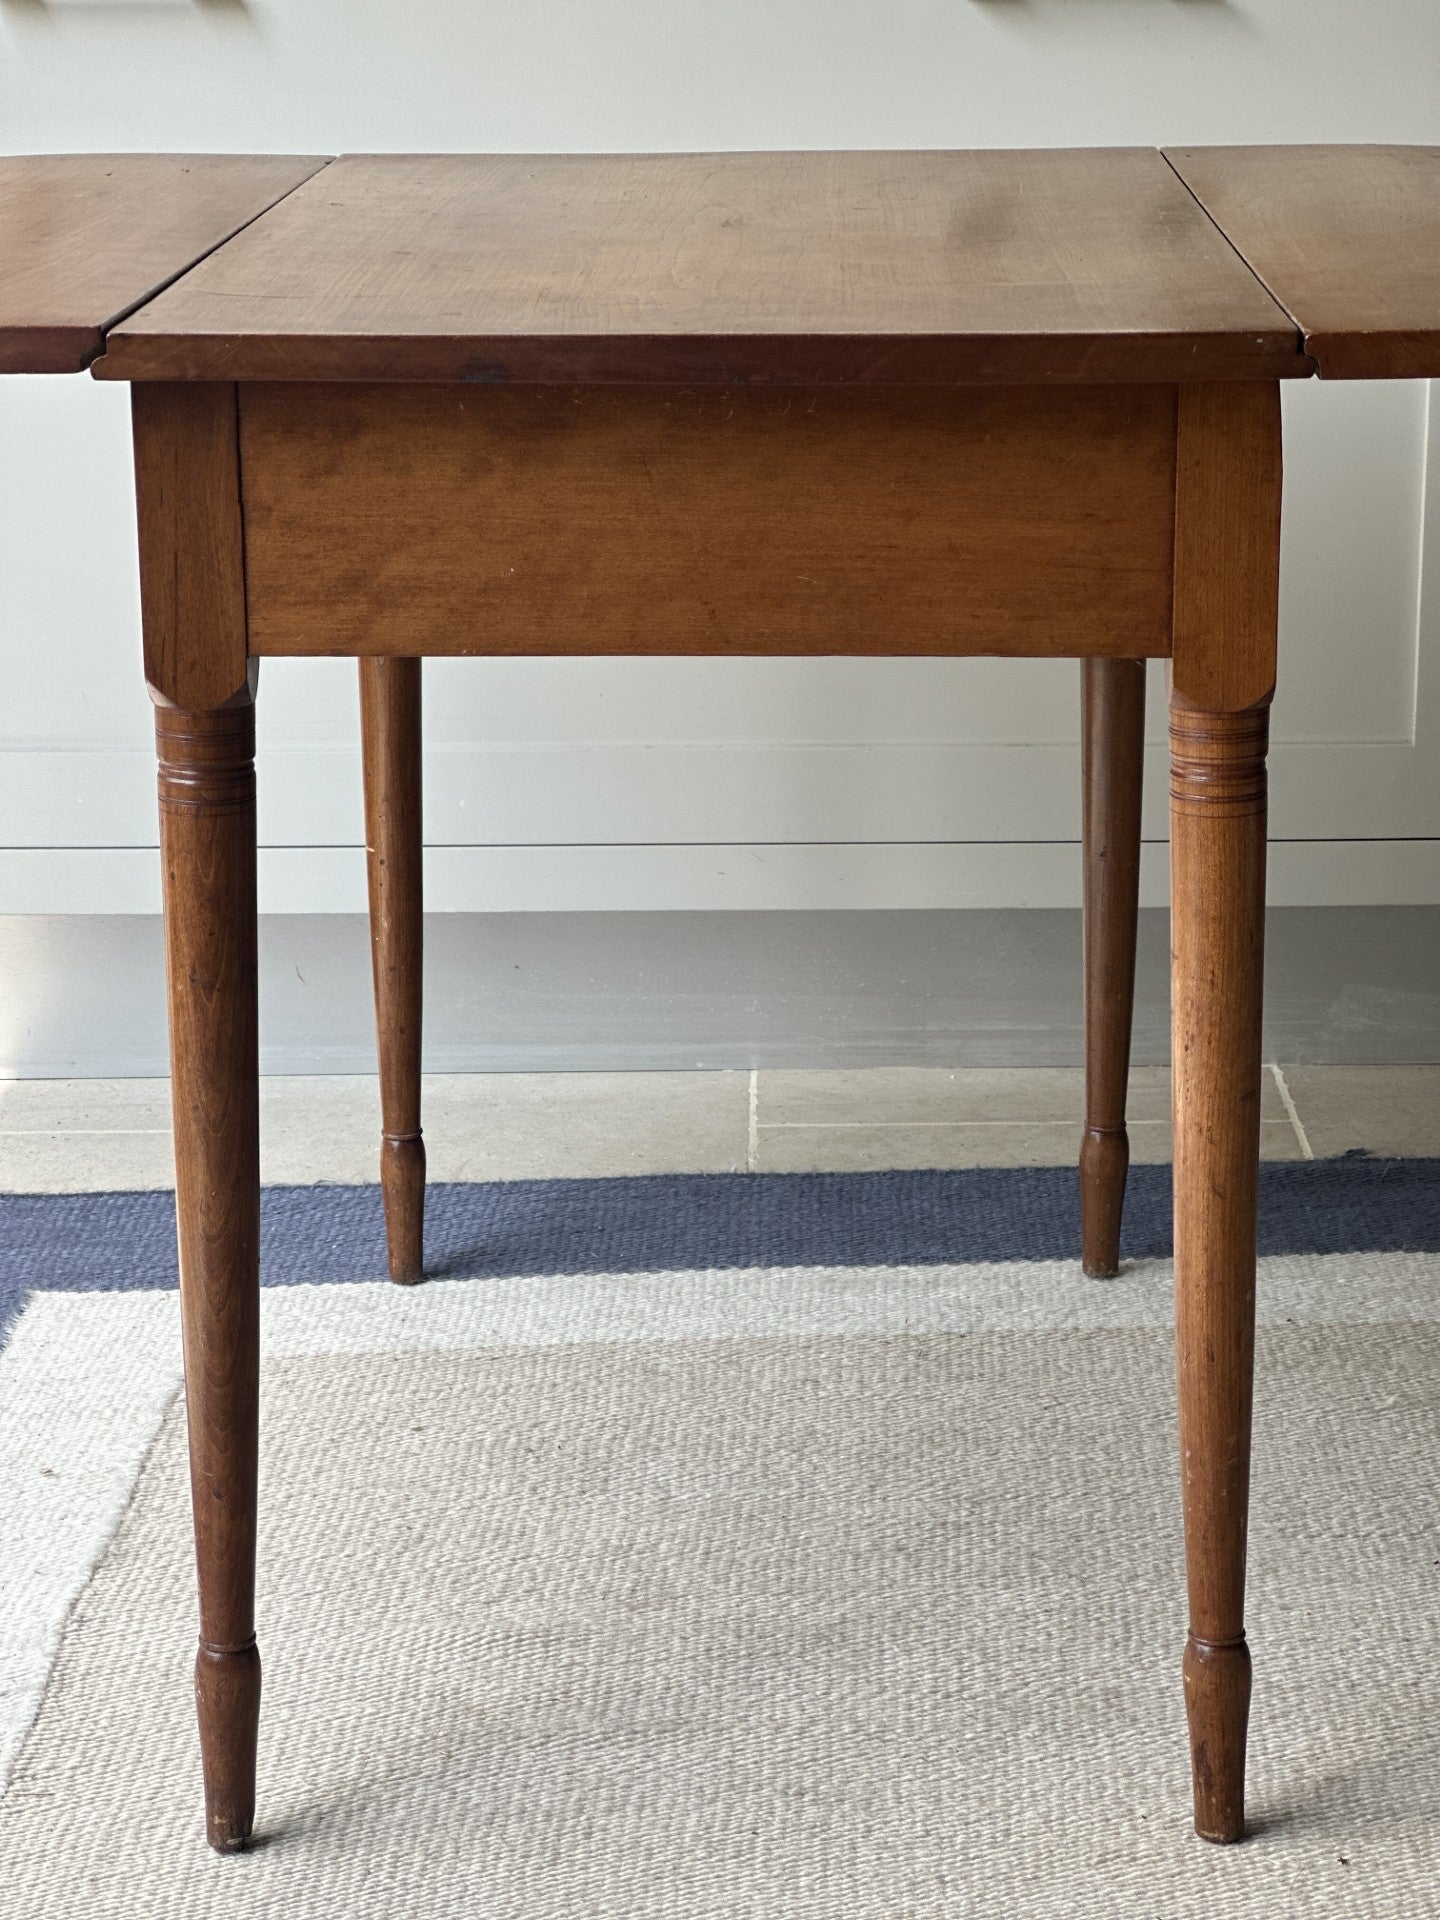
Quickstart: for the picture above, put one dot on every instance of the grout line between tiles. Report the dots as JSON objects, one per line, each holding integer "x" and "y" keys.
{"x": 914, "y": 1126}
{"x": 1293, "y": 1111}
{"x": 82, "y": 1133}
{"x": 752, "y": 1143}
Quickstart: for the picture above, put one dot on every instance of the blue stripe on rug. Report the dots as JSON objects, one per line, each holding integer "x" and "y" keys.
{"x": 106, "y": 1241}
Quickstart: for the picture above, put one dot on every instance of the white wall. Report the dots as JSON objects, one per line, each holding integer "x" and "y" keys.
{"x": 644, "y": 784}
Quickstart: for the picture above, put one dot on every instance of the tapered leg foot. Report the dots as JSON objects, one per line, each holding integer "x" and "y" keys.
{"x": 227, "y": 1700}
{"x": 402, "y": 1187}
{"x": 390, "y": 732}
{"x": 1112, "y": 767}
{"x": 1217, "y": 1705}
{"x": 1104, "y": 1164}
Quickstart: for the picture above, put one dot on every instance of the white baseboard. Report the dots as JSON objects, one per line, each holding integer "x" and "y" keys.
{"x": 629, "y": 879}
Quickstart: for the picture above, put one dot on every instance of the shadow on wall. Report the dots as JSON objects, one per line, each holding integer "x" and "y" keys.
{"x": 124, "y": 6}
{"x": 1056, "y": 6}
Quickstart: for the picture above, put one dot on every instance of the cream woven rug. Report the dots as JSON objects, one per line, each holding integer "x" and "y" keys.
{"x": 853, "y": 1594}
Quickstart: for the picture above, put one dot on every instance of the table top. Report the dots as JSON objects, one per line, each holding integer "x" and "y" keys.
{"x": 86, "y": 238}
{"x": 793, "y": 268}
{"x": 1346, "y": 238}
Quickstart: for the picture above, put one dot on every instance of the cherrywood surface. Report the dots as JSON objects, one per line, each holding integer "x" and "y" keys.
{"x": 86, "y": 238}
{"x": 394, "y": 854}
{"x": 1227, "y": 557}
{"x": 533, "y": 520}
{"x": 1346, "y": 238}
{"x": 803, "y": 268}
{"x": 1112, "y": 753}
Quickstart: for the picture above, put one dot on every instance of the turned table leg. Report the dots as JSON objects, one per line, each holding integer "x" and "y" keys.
{"x": 1112, "y": 768}
{"x": 1217, "y": 812}
{"x": 207, "y": 847}
{"x": 390, "y": 731}
{"x": 1227, "y": 550}
{"x": 192, "y": 591}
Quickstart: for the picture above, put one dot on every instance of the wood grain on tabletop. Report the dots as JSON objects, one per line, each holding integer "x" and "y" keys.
{"x": 84, "y": 238}
{"x": 1346, "y": 238}
{"x": 802, "y": 268}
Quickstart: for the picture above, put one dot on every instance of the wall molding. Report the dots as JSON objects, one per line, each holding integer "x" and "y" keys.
{"x": 684, "y": 792}
{"x": 729, "y": 878}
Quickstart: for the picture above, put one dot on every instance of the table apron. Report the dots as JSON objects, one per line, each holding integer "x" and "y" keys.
{"x": 513, "y": 520}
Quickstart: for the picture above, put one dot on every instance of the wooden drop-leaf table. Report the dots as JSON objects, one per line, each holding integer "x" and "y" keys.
{"x": 1006, "y": 403}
